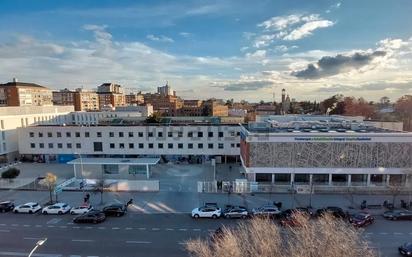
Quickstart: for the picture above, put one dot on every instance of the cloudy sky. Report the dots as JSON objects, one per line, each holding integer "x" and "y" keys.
{"x": 237, "y": 49}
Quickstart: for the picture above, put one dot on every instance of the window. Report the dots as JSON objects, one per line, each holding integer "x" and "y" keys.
{"x": 111, "y": 145}
{"x": 86, "y": 134}
{"x": 200, "y": 146}
{"x": 31, "y": 134}
{"x": 130, "y": 134}
{"x": 232, "y": 133}
{"x": 210, "y": 134}
{"x": 98, "y": 146}
{"x": 232, "y": 145}
{"x": 68, "y": 134}
{"x": 238, "y": 145}
{"x": 160, "y": 146}
{"x": 78, "y": 145}
{"x": 150, "y": 134}
{"x": 77, "y": 134}
{"x": 150, "y": 145}
{"x": 69, "y": 145}
{"x": 220, "y": 134}
{"x": 190, "y": 146}
{"x": 121, "y": 145}
{"x": 159, "y": 134}
{"x": 238, "y": 133}
{"x": 59, "y": 134}
{"x": 170, "y": 146}
{"x": 131, "y": 145}
{"x": 40, "y": 134}
{"x": 199, "y": 134}
{"x": 60, "y": 145}
{"x": 111, "y": 134}
{"x": 189, "y": 134}
{"x": 121, "y": 134}
{"x": 170, "y": 134}
{"x": 41, "y": 145}
{"x": 140, "y": 134}
{"x": 180, "y": 146}
{"x": 49, "y": 134}
{"x": 210, "y": 146}
{"x": 141, "y": 146}
{"x": 220, "y": 146}
{"x": 50, "y": 145}
{"x": 32, "y": 145}
{"x": 180, "y": 134}
{"x": 99, "y": 134}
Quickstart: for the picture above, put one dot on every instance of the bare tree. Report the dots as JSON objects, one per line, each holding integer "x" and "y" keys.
{"x": 50, "y": 182}
{"x": 322, "y": 237}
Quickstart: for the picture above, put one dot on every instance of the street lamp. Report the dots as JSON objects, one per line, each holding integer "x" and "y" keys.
{"x": 39, "y": 243}
{"x": 81, "y": 168}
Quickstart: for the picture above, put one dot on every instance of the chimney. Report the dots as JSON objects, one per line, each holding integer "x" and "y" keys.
{"x": 14, "y": 80}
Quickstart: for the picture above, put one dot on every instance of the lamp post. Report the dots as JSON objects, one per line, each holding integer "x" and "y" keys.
{"x": 81, "y": 169}
{"x": 39, "y": 243}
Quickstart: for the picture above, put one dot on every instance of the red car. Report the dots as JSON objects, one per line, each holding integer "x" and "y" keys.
{"x": 361, "y": 219}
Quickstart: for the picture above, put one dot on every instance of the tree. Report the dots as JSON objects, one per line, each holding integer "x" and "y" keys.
{"x": 156, "y": 117}
{"x": 358, "y": 107}
{"x": 50, "y": 182}
{"x": 333, "y": 105}
{"x": 403, "y": 108}
{"x": 10, "y": 173}
{"x": 322, "y": 237}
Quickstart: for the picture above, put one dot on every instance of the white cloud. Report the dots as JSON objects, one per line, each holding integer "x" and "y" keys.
{"x": 307, "y": 28}
{"x": 185, "y": 34}
{"x": 160, "y": 38}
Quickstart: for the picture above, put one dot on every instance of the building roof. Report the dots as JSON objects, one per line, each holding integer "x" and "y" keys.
{"x": 116, "y": 161}
{"x": 22, "y": 84}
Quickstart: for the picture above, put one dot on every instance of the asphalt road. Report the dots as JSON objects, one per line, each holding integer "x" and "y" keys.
{"x": 141, "y": 235}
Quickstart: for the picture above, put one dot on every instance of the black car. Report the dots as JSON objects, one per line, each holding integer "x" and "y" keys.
{"x": 6, "y": 206}
{"x": 90, "y": 217}
{"x": 287, "y": 213}
{"x": 361, "y": 219}
{"x": 398, "y": 215}
{"x": 235, "y": 212}
{"x": 115, "y": 210}
{"x": 334, "y": 211}
{"x": 406, "y": 249}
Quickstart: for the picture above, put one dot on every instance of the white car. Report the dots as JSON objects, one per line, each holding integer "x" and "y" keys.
{"x": 81, "y": 209}
{"x": 57, "y": 208}
{"x": 27, "y": 208}
{"x": 206, "y": 212}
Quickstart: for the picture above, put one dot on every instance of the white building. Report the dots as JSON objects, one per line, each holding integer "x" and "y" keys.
{"x": 12, "y": 118}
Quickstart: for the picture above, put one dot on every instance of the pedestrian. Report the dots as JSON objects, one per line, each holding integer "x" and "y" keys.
{"x": 129, "y": 202}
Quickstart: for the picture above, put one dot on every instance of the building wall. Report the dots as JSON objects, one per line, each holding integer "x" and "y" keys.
{"x": 82, "y": 140}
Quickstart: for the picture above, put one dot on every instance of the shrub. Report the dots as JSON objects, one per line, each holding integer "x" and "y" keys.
{"x": 10, "y": 173}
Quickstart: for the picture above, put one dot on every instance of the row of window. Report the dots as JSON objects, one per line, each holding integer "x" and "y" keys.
{"x": 139, "y": 134}
{"x": 132, "y": 146}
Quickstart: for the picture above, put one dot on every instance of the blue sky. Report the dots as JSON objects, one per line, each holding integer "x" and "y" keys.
{"x": 225, "y": 49}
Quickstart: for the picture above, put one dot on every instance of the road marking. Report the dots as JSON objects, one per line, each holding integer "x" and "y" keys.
{"x": 70, "y": 223}
{"x": 54, "y": 221}
{"x": 14, "y": 225}
{"x": 398, "y": 234}
{"x": 101, "y": 227}
{"x": 25, "y": 254}
{"x": 383, "y": 233}
{"x": 88, "y": 227}
{"x": 170, "y": 229}
{"x": 155, "y": 229}
{"x": 128, "y": 228}
{"x": 196, "y": 229}
{"x": 2, "y": 224}
{"x": 410, "y": 233}
{"x": 39, "y": 226}
{"x": 369, "y": 233}
{"x": 183, "y": 229}
{"x": 4, "y": 230}
{"x": 82, "y": 240}
{"x": 142, "y": 228}
{"x": 32, "y": 238}
{"x": 138, "y": 242}
{"x": 182, "y": 243}
{"x": 26, "y": 225}
{"x": 50, "y": 226}
{"x": 62, "y": 226}
{"x": 75, "y": 227}
{"x": 115, "y": 228}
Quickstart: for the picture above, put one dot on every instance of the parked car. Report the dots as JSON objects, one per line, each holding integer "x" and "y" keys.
{"x": 398, "y": 215}
{"x": 115, "y": 210}
{"x": 207, "y": 211}
{"x": 405, "y": 249}
{"x": 290, "y": 212}
{"x": 30, "y": 207}
{"x": 81, "y": 209}
{"x": 57, "y": 208}
{"x": 93, "y": 216}
{"x": 361, "y": 219}
{"x": 334, "y": 211}
{"x": 235, "y": 212}
{"x": 269, "y": 211}
{"x": 6, "y": 206}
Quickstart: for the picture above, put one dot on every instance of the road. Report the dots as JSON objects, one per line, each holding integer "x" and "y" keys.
{"x": 141, "y": 235}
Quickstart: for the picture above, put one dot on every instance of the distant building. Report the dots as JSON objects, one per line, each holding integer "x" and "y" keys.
{"x": 215, "y": 108}
{"x": 134, "y": 98}
{"x": 166, "y": 90}
{"x": 24, "y": 94}
{"x": 191, "y": 108}
{"x": 167, "y": 105}
{"x": 82, "y": 100}
{"x": 237, "y": 112}
{"x": 110, "y": 94}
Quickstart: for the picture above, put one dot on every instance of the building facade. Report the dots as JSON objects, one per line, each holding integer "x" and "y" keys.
{"x": 24, "y": 94}
{"x": 325, "y": 152}
{"x": 110, "y": 94}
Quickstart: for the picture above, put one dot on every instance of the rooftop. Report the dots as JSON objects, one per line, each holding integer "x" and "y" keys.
{"x": 22, "y": 84}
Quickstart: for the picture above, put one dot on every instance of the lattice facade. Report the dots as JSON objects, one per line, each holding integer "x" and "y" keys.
{"x": 330, "y": 155}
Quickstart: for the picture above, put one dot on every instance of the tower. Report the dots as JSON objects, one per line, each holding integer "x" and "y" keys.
{"x": 283, "y": 95}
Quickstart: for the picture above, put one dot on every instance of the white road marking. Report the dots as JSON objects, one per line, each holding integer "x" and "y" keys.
{"x": 39, "y": 226}
{"x": 183, "y": 229}
{"x": 62, "y": 226}
{"x": 14, "y": 225}
{"x": 25, "y": 254}
{"x": 182, "y": 243}
{"x": 32, "y": 238}
{"x": 383, "y": 233}
{"x": 101, "y": 227}
{"x": 54, "y": 221}
{"x": 369, "y": 233}
{"x": 398, "y": 234}
{"x": 129, "y": 228}
{"x": 26, "y": 225}
{"x": 170, "y": 229}
{"x": 2, "y": 224}
{"x": 155, "y": 229}
{"x": 4, "y": 230}
{"x": 75, "y": 227}
{"x": 82, "y": 240}
{"x": 115, "y": 228}
{"x": 138, "y": 242}
{"x": 50, "y": 226}
{"x": 142, "y": 228}
{"x": 196, "y": 229}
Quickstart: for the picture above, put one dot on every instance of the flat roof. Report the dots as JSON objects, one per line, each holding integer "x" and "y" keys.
{"x": 116, "y": 161}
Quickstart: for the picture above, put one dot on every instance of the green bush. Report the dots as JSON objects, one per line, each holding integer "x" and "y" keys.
{"x": 10, "y": 173}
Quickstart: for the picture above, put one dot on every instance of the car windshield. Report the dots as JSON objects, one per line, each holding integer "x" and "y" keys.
{"x": 35, "y": 205}
{"x": 359, "y": 216}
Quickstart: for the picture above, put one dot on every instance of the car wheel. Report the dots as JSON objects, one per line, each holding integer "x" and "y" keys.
{"x": 196, "y": 216}
{"x": 45, "y": 212}
{"x": 16, "y": 211}
{"x": 118, "y": 214}
{"x": 30, "y": 212}
{"x": 394, "y": 218}
{"x": 60, "y": 213}
{"x": 214, "y": 216}
{"x": 72, "y": 212}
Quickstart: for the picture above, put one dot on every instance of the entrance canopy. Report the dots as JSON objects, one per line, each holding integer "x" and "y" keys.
{"x": 146, "y": 162}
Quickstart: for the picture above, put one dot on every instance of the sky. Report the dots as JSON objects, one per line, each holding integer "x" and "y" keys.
{"x": 238, "y": 49}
